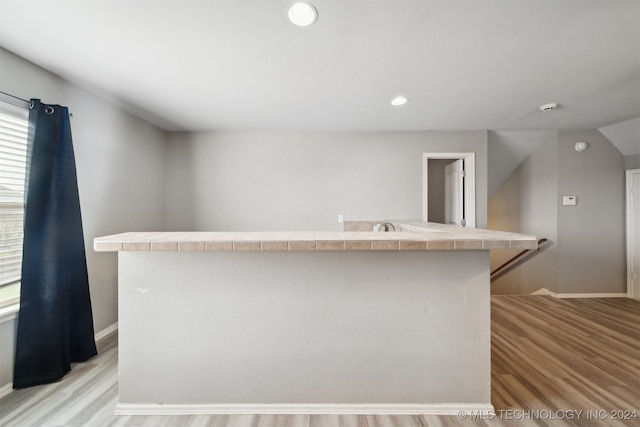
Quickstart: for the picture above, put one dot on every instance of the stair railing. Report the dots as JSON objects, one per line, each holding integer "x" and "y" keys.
{"x": 511, "y": 261}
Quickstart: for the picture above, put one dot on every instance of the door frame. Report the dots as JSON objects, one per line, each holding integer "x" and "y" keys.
{"x": 631, "y": 222}
{"x": 469, "y": 160}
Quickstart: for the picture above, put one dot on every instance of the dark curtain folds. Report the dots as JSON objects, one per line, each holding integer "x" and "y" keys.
{"x": 55, "y": 324}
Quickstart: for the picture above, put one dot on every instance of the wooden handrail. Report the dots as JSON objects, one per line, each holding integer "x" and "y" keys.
{"x": 517, "y": 256}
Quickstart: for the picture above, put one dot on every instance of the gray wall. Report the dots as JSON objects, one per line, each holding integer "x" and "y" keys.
{"x": 586, "y": 249}
{"x": 507, "y": 149}
{"x": 7, "y": 350}
{"x": 436, "y": 189}
{"x": 354, "y": 327}
{"x": 632, "y": 162}
{"x": 591, "y": 235}
{"x": 302, "y": 181}
{"x": 527, "y": 203}
{"x": 120, "y": 163}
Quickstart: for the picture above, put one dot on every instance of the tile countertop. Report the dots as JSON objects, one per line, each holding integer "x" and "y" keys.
{"x": 412, "y": 235}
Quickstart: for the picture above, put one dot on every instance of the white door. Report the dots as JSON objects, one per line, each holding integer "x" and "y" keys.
{"x": 454, "y": 193}
{"x": 633, "y": 233}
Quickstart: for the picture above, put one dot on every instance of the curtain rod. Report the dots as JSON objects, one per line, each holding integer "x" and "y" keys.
{"x": 17, "y": 98}
{"x": 13, "y": 96}
{"x": 14, "y": 99}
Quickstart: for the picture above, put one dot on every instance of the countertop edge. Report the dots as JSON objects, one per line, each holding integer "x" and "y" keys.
{"x": 415, "y": 236}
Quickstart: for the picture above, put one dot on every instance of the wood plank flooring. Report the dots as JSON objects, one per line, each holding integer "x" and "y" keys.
{"x": 550, "y": 359}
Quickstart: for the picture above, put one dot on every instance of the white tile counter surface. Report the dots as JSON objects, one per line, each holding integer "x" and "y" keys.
{"x": 412, "y": 235}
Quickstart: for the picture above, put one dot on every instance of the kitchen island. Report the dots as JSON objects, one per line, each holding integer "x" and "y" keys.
{"x": 306, "y": 322}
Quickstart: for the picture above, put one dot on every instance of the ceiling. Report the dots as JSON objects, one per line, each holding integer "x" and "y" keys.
{"x": 210, "y": 65}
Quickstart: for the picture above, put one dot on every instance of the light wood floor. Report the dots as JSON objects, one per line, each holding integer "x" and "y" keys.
{"x": 550, "y": 358}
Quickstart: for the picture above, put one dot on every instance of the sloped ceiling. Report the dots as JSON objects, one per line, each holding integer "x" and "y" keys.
{"x": 208, "y": 65}
{"x": 506, "y": 150}
{"x": 624, "y": 135}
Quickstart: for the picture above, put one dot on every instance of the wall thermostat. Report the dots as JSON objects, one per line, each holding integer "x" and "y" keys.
{"x": 569, "y": 200}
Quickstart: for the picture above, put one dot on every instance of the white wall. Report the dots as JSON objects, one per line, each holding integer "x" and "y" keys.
{"x": 301, "y": 181}
{"x": 120, "y": 164}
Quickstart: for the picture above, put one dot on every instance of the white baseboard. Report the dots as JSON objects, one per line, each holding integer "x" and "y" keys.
{"x": 479, "y": 409}
{"x": 11, "y": 312}
{"x": 6, "y": 389}
{"x": 544, "y": 291}
{"x": 106, "y": 331}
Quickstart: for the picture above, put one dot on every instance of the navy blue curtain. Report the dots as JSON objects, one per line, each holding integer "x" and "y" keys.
{"x": 55, "y": 324}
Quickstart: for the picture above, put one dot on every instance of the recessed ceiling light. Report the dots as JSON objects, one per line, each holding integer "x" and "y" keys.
{"x": 549, "y": 107}
{"x": 302, "y": 14}
{"x": 399, "y": 100}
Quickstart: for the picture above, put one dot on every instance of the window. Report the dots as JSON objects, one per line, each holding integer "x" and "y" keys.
{"x": 14, "y": 123}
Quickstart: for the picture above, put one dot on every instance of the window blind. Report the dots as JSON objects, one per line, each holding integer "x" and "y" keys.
{"x": 14, "y": 123}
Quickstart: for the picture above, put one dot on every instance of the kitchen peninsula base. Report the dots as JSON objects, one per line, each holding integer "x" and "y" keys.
{"x": 304, "y": 332}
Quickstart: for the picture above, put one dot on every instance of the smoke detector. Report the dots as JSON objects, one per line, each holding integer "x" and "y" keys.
{"x": 581, "y": 146}
{"x": 549, "y": 107}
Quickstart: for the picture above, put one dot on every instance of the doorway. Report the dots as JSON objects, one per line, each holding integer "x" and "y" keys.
{"x": 633, "y": 233}
{"x": 449, "y": 188}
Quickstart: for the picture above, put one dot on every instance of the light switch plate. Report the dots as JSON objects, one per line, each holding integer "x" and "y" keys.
{"x": 569, "y": 200}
